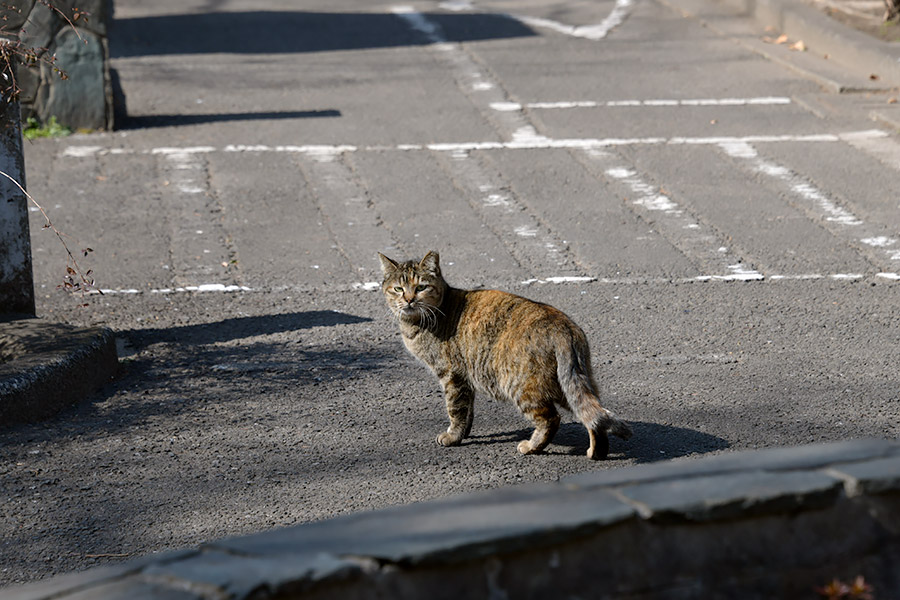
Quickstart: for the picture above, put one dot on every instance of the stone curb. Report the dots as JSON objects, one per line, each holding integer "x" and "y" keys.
{"x": 818, "y": 31}
{"x": 772, "y": 523}
{"x": 48, "y": 366}
{"x": 852, "y": 57}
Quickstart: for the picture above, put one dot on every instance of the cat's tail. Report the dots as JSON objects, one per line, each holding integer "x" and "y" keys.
{"x": 574, "y": 374}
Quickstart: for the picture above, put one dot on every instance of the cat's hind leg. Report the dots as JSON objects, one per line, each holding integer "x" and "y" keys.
{"x": 546, "y": 423}
{"x": 460, "y": 400}
{"x": 599, "y": 447}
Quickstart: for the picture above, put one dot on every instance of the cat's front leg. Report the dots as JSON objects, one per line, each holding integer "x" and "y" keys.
{"x": 460, "y": 400}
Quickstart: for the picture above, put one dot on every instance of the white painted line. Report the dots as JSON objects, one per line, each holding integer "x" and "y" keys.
{"x": 202, "y": 288}
{"x": 321, "y": 151}
{"x": 827, "y": 208}
{"x": 616, "y": 17}
{"x": 189, "y": 150}
{"x": 879, "y": 241}
{"x": 374, "y": 286}
{"x": 619, "y": 13}
{"x": 82, "y": 151}
{"x": 419, "y": 22}
{"x": 457, "y": 5}
{"x": 560, "y": 280}
{"x": 535, "y": 142}
{"x": 885, "y": 149}
{"x": 766, "y": 101}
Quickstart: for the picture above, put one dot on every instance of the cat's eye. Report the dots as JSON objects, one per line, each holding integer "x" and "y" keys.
{"x": 421, "y": 288}
{"x": 398, "y": 289}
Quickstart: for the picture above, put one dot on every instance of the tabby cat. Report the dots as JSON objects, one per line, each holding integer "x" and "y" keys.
{"x": 514, "y": 349}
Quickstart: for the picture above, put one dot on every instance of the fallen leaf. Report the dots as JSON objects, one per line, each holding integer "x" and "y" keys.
{"x": 781, "y": 39}
{"x": 799, "y": 46}
{"x": 874, "y": 77}
{"x": 892, "y": 100}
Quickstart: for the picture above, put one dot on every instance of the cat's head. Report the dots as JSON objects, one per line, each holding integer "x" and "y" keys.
{"x": 414, "y": 290}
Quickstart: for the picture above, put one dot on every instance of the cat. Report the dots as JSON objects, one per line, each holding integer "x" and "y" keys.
{"x": 510, "y": 347}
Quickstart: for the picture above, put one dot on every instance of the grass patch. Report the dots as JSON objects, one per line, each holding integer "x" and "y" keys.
{"x": 52, "y": 128}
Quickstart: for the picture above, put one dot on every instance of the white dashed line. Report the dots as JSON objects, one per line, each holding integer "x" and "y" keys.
{"x": 681, "y": 228}
{"x": 839, "y": 220}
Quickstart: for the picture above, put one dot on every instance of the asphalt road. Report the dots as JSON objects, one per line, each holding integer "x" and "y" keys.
{"x": 726, "y": 232}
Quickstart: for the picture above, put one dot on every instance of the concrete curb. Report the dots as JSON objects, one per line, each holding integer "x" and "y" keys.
{"x": 774, "y": 523}
{"x": 45, "y": 367}
{"x": 825, "y": 35}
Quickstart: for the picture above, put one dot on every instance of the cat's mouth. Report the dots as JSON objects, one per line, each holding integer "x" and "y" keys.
{"x": 410, "y": 311}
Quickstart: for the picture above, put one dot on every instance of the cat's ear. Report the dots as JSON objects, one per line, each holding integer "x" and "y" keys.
{"x": 387, "y": 265}
{"x": 431, "y": 263}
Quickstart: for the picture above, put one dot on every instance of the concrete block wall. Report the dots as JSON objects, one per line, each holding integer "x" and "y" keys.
{"x": 85, "y": 99}
{"x": 775, "y": 523}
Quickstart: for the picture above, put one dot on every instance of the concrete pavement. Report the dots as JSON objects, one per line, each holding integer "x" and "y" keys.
{"x": 211, "y": 406}
{"x": 876, "y": 63}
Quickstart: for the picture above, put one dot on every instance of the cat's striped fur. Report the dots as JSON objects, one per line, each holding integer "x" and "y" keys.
{"x": 512, "y": 348}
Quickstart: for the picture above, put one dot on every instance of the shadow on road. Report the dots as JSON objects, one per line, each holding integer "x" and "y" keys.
{"x": 284, "y": 32}
{"x": 651, "y": 441}
{"x": 145, "y": 121}
{"x": 242, "y": 327}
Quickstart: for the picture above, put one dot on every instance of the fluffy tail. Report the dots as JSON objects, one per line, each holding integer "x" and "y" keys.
{"x": 573, "y": 368}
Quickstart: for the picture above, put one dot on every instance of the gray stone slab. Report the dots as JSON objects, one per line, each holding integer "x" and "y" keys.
{"x": 813, "y": 456}
{"x": 731, "y": 496}
{"x": 879, "y": 476}
{"x": 462, "y": 528}
{"x": 230, "y": 576}
{"x": 137, "y": 589}
{"x": 48, "y": 366}
{"x": 91, "y": 579}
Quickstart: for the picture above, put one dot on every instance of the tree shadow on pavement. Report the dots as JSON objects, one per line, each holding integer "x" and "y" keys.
{"x": 242, "y": 327}
{"x": 144, "y": 121}
{"x": 278, "y": 32}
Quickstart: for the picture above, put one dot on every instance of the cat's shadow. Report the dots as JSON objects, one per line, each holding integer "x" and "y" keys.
{"x": 651, "y": 442}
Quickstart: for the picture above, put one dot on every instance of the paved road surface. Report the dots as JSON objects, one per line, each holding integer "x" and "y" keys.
{"x": 725, "y": 231}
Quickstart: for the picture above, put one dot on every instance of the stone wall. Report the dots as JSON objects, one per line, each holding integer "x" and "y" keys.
{"x": 776, "y": 523}
{"x": 84, "y": 100}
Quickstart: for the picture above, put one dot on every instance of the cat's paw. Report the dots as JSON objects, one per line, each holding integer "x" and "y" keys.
{"x": 448, "y": 439}
{"x": 525, "y": 447}
{"x": 599, "y": 446}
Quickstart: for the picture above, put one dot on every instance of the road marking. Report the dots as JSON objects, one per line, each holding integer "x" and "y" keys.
{"x": 885, "y": 149}
{"x": 196, "y": 241}
{"x": 374, "y": 286}
{"x": 527, "y": 143}
{"x": 343, "y": 202}
{"x": 536, "y": 247}
{"x": 699, "y": 244}
{"x": 202, "y": 288}
{"x": 840, "y": 221}
{"x": 760, "y": 101}
{"x": 616, "y": 17}
{"x": 532, "y": 243}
